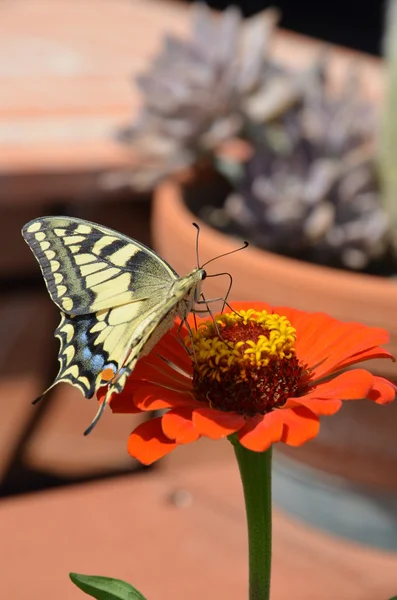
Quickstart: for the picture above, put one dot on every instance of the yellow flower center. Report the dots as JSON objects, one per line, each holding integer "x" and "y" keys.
{"x": 245, "y": 362}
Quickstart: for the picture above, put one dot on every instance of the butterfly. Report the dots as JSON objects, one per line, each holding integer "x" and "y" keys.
{"x": 117, "y": 298}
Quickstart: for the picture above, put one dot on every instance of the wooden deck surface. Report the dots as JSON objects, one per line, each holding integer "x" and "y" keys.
{"x": 176, "y": 534}
{"x": 66, "y": 77}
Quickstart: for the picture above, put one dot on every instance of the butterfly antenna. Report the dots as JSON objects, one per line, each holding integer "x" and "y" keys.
{"x": 245, "y": 245}
{"x": 197, "y": 244}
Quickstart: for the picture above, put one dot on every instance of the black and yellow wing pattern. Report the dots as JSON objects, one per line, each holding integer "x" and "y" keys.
{"x": 116, "y": 296}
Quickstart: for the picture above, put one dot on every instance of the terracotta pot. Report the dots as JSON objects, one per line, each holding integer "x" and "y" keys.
{"x": 261, "y": 275}
{"x": 358, "y": 446}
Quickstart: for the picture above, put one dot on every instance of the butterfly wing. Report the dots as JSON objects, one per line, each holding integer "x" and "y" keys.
{"x": 106, "y": 286}
{"x": 89, "y": 344}
{"x": 89, "y": 268}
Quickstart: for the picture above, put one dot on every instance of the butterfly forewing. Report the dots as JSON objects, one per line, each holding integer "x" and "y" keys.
{"x": 88, "y": 267}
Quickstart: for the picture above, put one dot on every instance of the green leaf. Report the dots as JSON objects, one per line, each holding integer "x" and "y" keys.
{"x": 394, "y": 598}
{"x": 105, "y": 588}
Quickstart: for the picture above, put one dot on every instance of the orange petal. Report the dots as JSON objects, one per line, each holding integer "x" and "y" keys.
{"x": 154, "y": 397}
{"x": 320, "y": 406}
{"x": 119, "y": 403}
{"x": 171, "y": 348}
{"x": 352, "y": 350}
{"x": 261, "y": 432}
{"x": 325, "y": 398}
{"x": 351, "y": 385}
{"x": 177, "y": 425}
{"x": 368, "y": 354}
{"x": 300, "y": 425}
{"x": 383, "y": 391}
{"x": 216, "y": 424}
{"x": 148, "y": 443}
{"x": 156, "y": 370}
{"x": 326, "y": 343}
{"x": 146, "y": 396}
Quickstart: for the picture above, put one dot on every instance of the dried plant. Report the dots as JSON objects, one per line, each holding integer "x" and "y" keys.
{"x": 310, "y": 190}
{"x": 202, "y": 91}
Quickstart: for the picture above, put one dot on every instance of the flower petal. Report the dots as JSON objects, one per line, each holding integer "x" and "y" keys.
{"x": 216, "y": 424}
{"x": 320, "y": 406}
{"x": 156, "y": 370}
{"x": 300, "y": 426}
{"x": 148, "y": 396}
{"x": 351, "y": 385}
{"x": 325, "y": 399}
{"x": 148, "y": 443}
{"x": 383, "y": 391}
{"x": 328, "y": 344}
{"x": 261, "y": 432}
{"x": 119, "y": 403}
{"x": 171, "y": 346}
{"x": 369, "y": 354}
{"x": 177, "y": 425}
{"x": 153, "y": 397}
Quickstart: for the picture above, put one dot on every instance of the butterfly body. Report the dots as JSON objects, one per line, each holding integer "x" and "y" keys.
{"x": 116, "y": 296}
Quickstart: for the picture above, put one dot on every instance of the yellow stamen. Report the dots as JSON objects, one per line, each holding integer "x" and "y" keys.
{"x": 250, "y": 339}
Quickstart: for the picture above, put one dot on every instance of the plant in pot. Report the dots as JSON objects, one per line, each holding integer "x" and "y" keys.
{"x": 288, "y": 160}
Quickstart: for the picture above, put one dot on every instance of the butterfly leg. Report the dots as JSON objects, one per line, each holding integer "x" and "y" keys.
{"x": 211, "y": 314}
{"x": 191, "y": 340}
{"x": 228, "y": 289}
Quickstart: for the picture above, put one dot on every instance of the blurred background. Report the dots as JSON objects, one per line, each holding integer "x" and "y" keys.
{"x": 91, "y": 126}
{"x": 354, "y": 24}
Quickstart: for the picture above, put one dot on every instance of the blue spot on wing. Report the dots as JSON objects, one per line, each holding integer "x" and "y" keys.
{"x": 86, "y": 353}
{"x": 83, "y": 337}
{"x": 97, "y": 362}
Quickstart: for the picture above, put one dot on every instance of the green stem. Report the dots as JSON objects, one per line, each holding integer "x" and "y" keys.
{"x": 255, "y": 471}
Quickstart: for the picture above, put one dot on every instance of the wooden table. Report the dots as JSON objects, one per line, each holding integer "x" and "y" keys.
{"x": 176, "y": 534}
{"x": 66, "y": 75}
{"x": 66, "y": 78}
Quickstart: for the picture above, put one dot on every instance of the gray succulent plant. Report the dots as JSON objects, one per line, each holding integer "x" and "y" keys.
{"x": 202, "y": 91}
{"x": 311, "y": 189}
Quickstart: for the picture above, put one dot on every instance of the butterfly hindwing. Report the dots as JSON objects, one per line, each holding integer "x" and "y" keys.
{"x": 92, "y": 343}
{"x": 88, "y": 267}
{"x": 116, "y": 339}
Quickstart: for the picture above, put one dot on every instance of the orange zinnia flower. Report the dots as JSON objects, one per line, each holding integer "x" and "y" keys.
{"x": 266, "y": 376}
